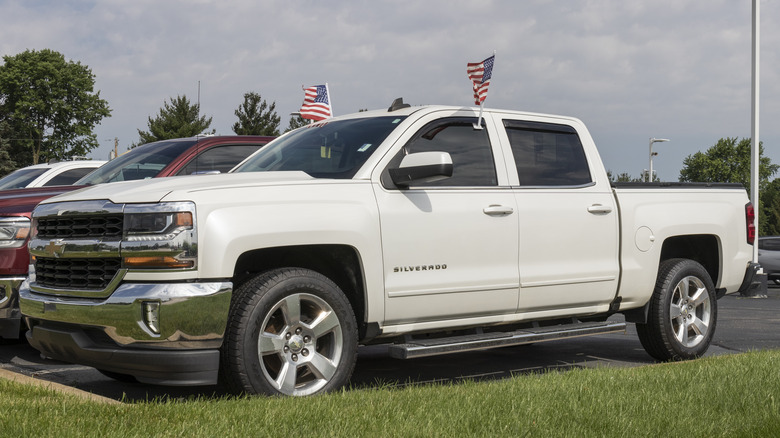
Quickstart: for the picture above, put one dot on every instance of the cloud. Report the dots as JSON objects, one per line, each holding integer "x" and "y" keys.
{"x": 630, "y": 69}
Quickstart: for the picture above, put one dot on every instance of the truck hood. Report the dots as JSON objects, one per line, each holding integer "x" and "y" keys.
{"x": 154, "y": 190}
{"x": 22, "y": 201}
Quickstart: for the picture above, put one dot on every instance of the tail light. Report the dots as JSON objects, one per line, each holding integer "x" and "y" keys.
{"x": 750, "y": 218}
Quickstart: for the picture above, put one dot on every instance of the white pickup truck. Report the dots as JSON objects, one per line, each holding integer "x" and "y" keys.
{"x": 412, "y": 226}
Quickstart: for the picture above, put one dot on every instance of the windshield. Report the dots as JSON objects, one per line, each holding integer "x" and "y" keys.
{"x": 324, "y": 149}
{"x": 142, "y": 162}
{"x": 20, "y": 178}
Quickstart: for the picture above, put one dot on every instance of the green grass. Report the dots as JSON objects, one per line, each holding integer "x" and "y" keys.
{"x": 734, "y": 395}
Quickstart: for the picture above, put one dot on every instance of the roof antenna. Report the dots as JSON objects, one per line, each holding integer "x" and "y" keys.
{"x": 397, "y": 104}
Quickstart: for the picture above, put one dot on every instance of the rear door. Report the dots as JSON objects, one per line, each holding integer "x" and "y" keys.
{"x": 568, "y": 221}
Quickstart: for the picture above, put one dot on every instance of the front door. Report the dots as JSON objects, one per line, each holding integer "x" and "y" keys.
{"x": 450, "y": 247}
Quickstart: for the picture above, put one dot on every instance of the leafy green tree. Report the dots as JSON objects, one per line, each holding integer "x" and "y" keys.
{"x": 769, "y": 216}
{"x": 177, "y": 119}
{"x": 623, "y": 177}
{"x": 50, "y": 105}
{"x": 256, "y": 117}
{"x": 296, "y": 122}
{"x": 7, "y": 164}
{"x": 729, "y": 161}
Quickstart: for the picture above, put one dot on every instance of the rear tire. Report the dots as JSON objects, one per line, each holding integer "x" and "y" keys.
{"x": 682, "y": 312}
{"x": 290, "y": 331}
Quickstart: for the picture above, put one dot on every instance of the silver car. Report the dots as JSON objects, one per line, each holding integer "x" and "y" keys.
{"x": 769, "y": 257}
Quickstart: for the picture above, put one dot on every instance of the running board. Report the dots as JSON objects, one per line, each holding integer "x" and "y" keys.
{"x": 431, "y": 347}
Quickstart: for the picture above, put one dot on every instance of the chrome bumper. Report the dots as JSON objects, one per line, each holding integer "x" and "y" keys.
{"x": 178, "y": 345}
{"x": 10, "y": 317}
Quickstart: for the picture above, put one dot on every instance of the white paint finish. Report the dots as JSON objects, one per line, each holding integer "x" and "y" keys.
{"x": 447, "y": 227}
{"x": 511, "y": 253}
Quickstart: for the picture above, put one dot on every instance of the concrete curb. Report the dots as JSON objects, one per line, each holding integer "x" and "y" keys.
{"x": 64, "y": 389}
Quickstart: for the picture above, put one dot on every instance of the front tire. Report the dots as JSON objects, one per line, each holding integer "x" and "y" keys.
{"x": 291, "y": 332}
{"x": 682, "y": 312}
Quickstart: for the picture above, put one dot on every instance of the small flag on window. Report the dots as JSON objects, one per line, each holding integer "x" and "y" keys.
{"x": 316, "y": 103}
{"x": 480, "y": 73}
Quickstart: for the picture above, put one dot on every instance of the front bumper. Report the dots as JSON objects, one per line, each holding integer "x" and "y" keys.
{"x": 114, "y": 334}
{"x": 10, "y": 317}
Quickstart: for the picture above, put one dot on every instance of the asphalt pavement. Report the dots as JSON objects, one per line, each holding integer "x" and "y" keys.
{"x": 744, "y": 324}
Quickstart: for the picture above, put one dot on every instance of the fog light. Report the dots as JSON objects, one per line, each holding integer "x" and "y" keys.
{"x": 151, "y": 311}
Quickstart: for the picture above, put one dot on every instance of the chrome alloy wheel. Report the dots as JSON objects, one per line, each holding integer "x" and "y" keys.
{"x": 300, "y": 344}
{"x": 690, "y": 311}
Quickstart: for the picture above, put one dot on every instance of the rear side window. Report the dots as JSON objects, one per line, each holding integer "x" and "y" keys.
{"x": 219, "y": 158}
{"x": 547, "y": 154}
{"x": 69, "y": 176}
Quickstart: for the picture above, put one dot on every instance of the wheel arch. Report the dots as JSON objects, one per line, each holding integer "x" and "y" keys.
{"x": 342, "y": 264}
{"x": 702, "y": 248}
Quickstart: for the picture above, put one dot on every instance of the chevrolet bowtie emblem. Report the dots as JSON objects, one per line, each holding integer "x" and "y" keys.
{"x": 55, "y": 248}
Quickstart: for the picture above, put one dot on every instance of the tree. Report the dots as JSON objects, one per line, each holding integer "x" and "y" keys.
{"x": 50, "y": 105}
{"x": 769, "y": 215}
{"x": 176, "y": 119}
{"x": 296, "y": 122}
{"x": 7, "y": 164}
{"x": 255, "y": 117}
{"x": 623, "y": 177}
{"x": 729, "y": 161}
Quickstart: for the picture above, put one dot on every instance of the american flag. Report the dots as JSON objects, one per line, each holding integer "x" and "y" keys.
{"x": 480, "y": 73}
{"x": 316, "y": 104}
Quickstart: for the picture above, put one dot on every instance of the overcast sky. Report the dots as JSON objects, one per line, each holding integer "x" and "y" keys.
{"x": 630, "y": 69}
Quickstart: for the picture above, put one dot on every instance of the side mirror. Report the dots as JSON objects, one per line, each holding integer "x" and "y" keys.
{"x": 422, "y": 167}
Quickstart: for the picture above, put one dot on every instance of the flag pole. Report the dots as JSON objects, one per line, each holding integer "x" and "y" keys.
{"x": 330, "y": 99}
{"x": 478, "y": 124}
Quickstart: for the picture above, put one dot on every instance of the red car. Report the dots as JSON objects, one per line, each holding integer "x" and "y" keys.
{"x": 184, "y": 156}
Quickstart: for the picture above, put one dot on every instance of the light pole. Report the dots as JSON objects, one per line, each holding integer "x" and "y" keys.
{"x": 650, "y": 171}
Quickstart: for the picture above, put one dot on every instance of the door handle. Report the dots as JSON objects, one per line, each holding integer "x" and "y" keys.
{"x": 497, "y": 210}
{"x": 600, "y": 209}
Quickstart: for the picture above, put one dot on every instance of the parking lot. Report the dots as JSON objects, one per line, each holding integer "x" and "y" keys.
{"x": 744, "y": 324}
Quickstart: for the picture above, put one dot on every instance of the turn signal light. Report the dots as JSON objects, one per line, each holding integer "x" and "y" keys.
{"x": 157, "y": 262}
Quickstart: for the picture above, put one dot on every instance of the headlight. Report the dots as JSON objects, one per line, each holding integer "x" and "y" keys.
{"x": 160, "y": 236}
{"x": 14, "y": 231}
{"x": 157, "y": 226}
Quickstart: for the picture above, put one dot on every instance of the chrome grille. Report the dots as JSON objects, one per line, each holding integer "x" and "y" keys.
{"x": 92, "y": 273}
{"x": 75, "y": 227}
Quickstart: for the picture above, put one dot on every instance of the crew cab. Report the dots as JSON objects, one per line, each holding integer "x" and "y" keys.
{"x": 424, "y": 228}
{"x": 217, "y": 154}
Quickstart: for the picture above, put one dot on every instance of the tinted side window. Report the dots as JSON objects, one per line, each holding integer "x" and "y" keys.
{"x": 220, "y": 158}
{"x": 20, "y": 178}
{"x": 547, "y": 154}
{"x": 141, "y": 162}
{"x": 69, "y": 176}
{"x": 472, "y": 157}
